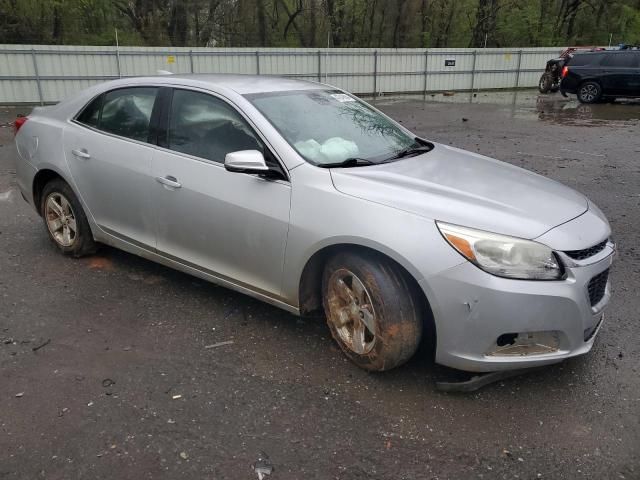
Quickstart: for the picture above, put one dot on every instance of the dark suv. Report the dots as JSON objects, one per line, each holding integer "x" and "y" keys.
{"x": 602, "y": 75}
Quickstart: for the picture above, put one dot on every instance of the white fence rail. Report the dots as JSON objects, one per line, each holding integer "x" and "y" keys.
{"x": 44, "y": 74}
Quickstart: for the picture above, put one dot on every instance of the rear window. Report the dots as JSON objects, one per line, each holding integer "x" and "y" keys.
{"x": 624, "y": 60}
{"x": 125, "y": 112}
{"x": 584, "y": 59}
{"x": 91, "y": 114}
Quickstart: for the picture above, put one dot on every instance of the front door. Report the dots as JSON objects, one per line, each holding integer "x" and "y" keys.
{"x": 110, "y": 162}
{"x": 232, "y": 225}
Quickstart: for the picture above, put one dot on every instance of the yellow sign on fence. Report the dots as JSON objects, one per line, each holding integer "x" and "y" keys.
{"x": 171, "y": 59}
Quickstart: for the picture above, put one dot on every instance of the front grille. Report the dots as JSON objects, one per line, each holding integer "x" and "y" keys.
{"x": 597, "y": 287}
{"x": 587, "y": 252}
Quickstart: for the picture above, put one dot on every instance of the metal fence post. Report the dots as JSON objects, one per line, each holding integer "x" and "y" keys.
{"x": 426, "y": 70}
{"x": 473, "y": 70}
{"x": 375, "y": 73}
{"x": 118, "y": 62}
{"x": 258, "y": 62}
{"x": 319, "y": 66}
{"x": 35, "y": 70}
{"x": 191, "y": 60}
{"x": 519, "y": 65}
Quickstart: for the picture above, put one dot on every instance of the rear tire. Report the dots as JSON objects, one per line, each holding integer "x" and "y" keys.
{"x": 545, "y": 83}
{"x": 373, "y": 312}
{"x": 65, "y": 220}
{"x": 589, "y": 92}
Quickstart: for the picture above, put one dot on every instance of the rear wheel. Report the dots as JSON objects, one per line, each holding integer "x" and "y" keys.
{"x": 65, "y": 220}
{"x": 545, "y": 83}
{"x": 372, "y": 310}
{"x": 589, "y": 92}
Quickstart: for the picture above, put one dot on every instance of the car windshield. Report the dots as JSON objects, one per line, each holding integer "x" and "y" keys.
{"x": 329, "y": 127}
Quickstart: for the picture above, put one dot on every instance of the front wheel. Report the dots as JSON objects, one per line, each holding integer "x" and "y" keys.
{"x": 373, "y": 312}
{"x": 65, "y": 220}
{"x": 589, "y": 92}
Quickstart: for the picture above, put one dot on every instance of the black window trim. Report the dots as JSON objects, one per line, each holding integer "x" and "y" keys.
{"x": 148, "y": 143}
{"x": 163, "y": 127}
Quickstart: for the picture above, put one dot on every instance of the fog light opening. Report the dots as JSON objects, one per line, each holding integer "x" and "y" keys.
{"x": 506, "y": 339}
{"x": 526, "y": 343}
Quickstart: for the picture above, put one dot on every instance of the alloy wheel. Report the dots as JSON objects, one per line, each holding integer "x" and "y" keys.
{"x": 589, "y": 92}
{"x": 351, "y": 311}
{"x": 61, "y": 220}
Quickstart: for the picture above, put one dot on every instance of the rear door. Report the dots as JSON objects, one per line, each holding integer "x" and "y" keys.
{"x": 109, "y": 155}
{"x": 620, "y": 73}
{"x": 232, "y": 225}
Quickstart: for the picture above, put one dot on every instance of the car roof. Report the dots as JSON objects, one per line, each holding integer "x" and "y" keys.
{"x": 607, "y": 52}
{"x": 241, "y": 84}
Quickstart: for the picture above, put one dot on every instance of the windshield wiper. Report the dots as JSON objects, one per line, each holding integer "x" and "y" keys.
{"x": 410, "y": 151}
{"x": 349, "y": 162}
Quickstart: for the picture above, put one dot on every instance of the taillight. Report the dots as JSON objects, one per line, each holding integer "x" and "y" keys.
{"x": 565, "y": 70}
{"x": 18, "y": 123}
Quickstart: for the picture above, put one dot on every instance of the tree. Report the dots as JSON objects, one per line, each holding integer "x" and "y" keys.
{"x": 308, "y": 23}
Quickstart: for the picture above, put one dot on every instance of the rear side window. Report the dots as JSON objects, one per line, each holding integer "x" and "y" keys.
{"x": 584, "y": 59}
{"x": 206, "y": 127}
{"x": 91, "y": 114}
{"x": 624, "y": 60}
{"x": 127, "y": 112}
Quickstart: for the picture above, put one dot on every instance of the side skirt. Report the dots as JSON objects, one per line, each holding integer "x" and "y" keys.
{"x": 109, "y": 238}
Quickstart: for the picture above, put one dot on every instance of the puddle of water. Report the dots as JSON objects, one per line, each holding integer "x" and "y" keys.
{"x": 556, "y": 109}
{"x": 529, "y": 104}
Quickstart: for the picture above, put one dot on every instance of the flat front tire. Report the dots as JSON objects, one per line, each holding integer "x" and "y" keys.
{"x": 373, "y": 313}
{"x": 65, "y": 220}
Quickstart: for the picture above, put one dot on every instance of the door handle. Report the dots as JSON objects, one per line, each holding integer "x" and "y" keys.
{"x": 169, "y": 181}
{"x": 82, "y": 153}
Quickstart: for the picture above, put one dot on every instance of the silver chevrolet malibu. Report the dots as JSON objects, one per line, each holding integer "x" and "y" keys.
{"x": 306, "y": 197}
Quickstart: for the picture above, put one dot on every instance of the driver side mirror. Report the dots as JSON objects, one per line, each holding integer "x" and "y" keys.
{"x": 246, "y": 161}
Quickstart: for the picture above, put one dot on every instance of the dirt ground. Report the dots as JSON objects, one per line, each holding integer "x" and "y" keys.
{"x": 125, "y": 387}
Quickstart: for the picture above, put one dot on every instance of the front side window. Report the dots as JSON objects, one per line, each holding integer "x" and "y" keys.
{"x": 328, "y": 126}
{"x": 204, "y": 126}
{"x": 127, "y": 112}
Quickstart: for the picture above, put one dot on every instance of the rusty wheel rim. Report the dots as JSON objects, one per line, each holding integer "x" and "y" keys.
{"x": 351, "y": 311}
{"x": 61, "y": 220}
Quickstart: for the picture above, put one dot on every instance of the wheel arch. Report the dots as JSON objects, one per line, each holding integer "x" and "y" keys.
{"x": 590, "y": 79}
{"x": 310, "y": 284}
{"x": 40, "y": 179}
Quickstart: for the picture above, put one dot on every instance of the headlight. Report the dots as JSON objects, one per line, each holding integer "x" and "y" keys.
{"x": 503, "y": 256}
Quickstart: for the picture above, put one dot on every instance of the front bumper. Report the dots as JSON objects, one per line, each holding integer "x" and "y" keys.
{"x": 473, "y": 309}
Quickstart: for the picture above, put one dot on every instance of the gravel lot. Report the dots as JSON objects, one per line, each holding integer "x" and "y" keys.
{"x": 126, "y": 388}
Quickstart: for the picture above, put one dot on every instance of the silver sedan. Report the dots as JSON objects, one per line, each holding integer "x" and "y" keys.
{"x": 304, "y": 196}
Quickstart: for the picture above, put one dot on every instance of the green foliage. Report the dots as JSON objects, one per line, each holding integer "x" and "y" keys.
{"x": 318, "y": 23}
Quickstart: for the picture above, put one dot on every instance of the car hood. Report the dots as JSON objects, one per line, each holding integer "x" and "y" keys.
{"x": 464, "y": 188}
